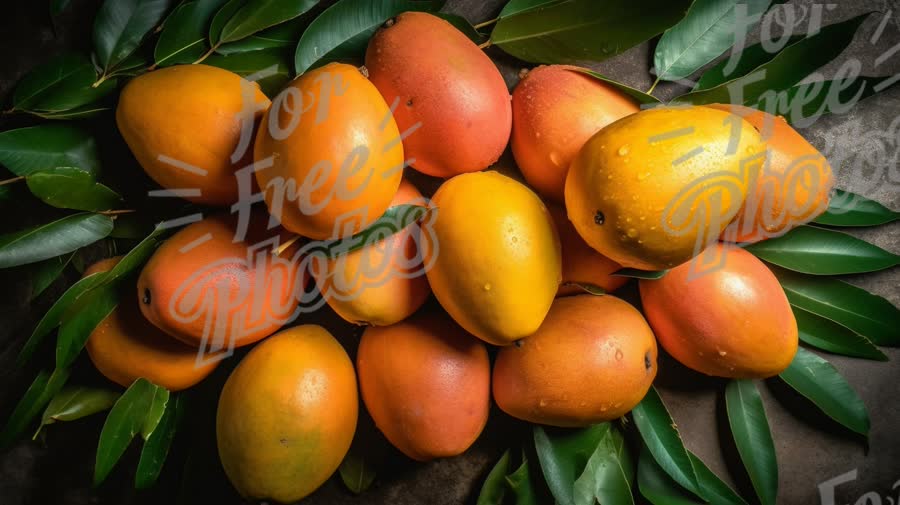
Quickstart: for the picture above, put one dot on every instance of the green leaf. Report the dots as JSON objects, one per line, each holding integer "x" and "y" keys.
{"x": 817, "y": 251}
{"x": 357, "y": 472}
{"x": 75, "y": 402}
{"x": 57, "y": 6}
{"x": 563, "y": 455}
{"x": 120, "y": 27}
{"x": 52, "y": 239}
{"x": 344, "y": 29}
{"x": 805, "y": 103}
{"x": 154, "y": 415}
{"x": 221, "y": 17}
{"x": 659, "y": 433}
{"x": 184, "y": 35}
{"x": 63, "y": 83}
{"x": 750, "y": 429}
{"x": 786, "y": 69}
{"x": 522, "y": 487}
{"x": 587, "y": 288}
{"x": 657, "y": 487}
{"x": 576, "y": 30}
{"x": 850, "y": 209}
{"x": 493, "y": 491}
{"x": 392, "y": 221}
{"x": 462, "y": 24}
{"x": 126, "y": 419}
{"x": 284, "y": 35}
{"x": 44, "y": 273}
{"x": 517, "y": 6}
{"x": 76, "y": 113}
{"x": 131, "y": 226}
{"x": 743, "y": 62}
{"x": 865, "y": 313}
{"x": 245, "y": 64}
{"x": 136, "y": 257}
{"x": 71, "y": 188}
{"x": 640, "y": 274}
{"x": 707, "y": 30}
{"x": 38, "y": 395}
{"x": 256, "y": 15}
{"x": 639, "y": 96}
{"x": 48, "y": 146}
{"x": 822, "y": 384}
{"x": 833, "y": 337}
{"x": 605, "y": 478}
{"x": 712, "y": 487}
{"x": 156, "y": 447}
{"x": 80, "y": 319}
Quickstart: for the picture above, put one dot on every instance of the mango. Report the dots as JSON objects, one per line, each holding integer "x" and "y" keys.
{"x": 582, "y": 267}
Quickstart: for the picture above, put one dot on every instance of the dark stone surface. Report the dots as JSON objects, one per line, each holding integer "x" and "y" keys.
{"x": 57, "y": 468}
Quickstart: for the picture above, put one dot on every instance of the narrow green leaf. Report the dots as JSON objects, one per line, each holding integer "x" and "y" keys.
{"x": 822, "y": 384}
{"x": 750, "y": 429}
{"x": 257, "y": 15}
{"x": 712, "y": 488}
{"x": 44, "y": 273}
{"x": 587, "y": 288}
{"x": 707, "y": 30}
{"x": 805, "y": 103}
{"x": 283, "y": 36}
{"x": 75, "y": 402}
{"x": 392, "y": 221}
{"x": 638, "y": 95}
{"x": 463, "y": 25}
{"x": 61, "y": 84}
{"x": 563, "y": 455}
{"x": 154, "y": 414}
{"x": 71, "y": 188}
{"x": 28, "y": 150}
{"x": 120, "y": 27}
{"x": 517, "y": 6}
{"x": 739, "y": 63}
{"x": 344, "y": 29}
{"x": 850, "y": 209}
{"x": 833, "y": 337}
{"x": 574, "y": 31}
{"x": 640, "y": 274}
{"x": 817, "y": 251}
{"x": 184, "y": 35}
{"x": 493, "y": 491}
{"x": 156, "y": 447}
{"x": 522, "y": 487}
{"x": 86, "y": 111}
{"x": 248, "y": 63}
{"x": 605, "y": 479}
{"x": 658, "y": 430}
{"x": 38, "y": 395}
{"x": 137, "y": 256}
{"x": 865, "y": 313}
{"x": 657, "y": 487}
{"x": 80, "y": 320}
{"x": 356, "y": 472}
{"x": 221, "y": 17}
{"x": 52, "y": 239}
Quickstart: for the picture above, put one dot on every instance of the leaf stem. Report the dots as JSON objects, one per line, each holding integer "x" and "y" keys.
{"x": 484, "y": 45}
{"x": 650, "y": 91}
{"x": 101, "y": 80}
{"x": 489, "y": 22}
{"x": 289, "y": 242}
{"x": 116, "y": 212}
{"x": 207, "y": 54}
{"x": 10, "y": 181}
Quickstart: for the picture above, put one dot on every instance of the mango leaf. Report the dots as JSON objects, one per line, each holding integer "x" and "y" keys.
{"x": 850, "y": 209}
{"x": 639, "y": 96}
{"x": 184, "y": 35}
{"x": 832, "y": 337}
{"x": 44, "y": 273}
{"x": 245, "y": 64}
{"x": 657, "y": 487}
{"x": 750, "y": 429}
{"x": 739, "y": 63}
{"x": 81, "y": 318}
{"x": 38, "y": 395}
{"x": 517, "y": 6}
{"x": 156, "y": 412}
{"x": 256, "y": 15}
{"x": 131, "y": 226}
{"x": 463, "y": 25}
{"x": 120, "y": 27}
{"x": 659, "y": 433}
{"x": 52, "y": 239}
{"x": 605, "y": 478}
{"x": 356, "y": 471}
{"x": 279, "y": 36}
{"x": 786, "y": 69}
{"x": 392, "y": 221}
{"x": 707, "y": 30}
{"x": 712, "y": 488}
{"x": 817, "y": 251}
{"x": 563, "y": 455}
{"x": 43, "y": 147}
{"x": 126, "y": 419}
{"x": 522, "y": 486}
{"x": 222, "y": 16}
{"x": 805, "y": 103}
{"x": 640, "y": 274}
{"x": 493, "y": 491}
{"x": 136, "y": 257}
{"x": 71, "y": 188}
{"x": 85, "y": 111}
{"x": 63, "y": 83}
{"x": 344, "y": 29}
{"x": 75, "y": 402}
{"x": 156, "y": 447}
{"x": 576, "y": 30}
{"x": 865, "y": 313}
{"x": 822, "y": 384}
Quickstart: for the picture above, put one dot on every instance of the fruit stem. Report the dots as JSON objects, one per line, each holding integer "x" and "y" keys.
{"x": 10, "y": 181}
{"x": 207, "y": 54}
{"x": 289, "y": 242}
{"x": 484, "y": 45}
{"x": 486, "y": 23}
{"x": 116, "y": 212}
{"x": 650, "y": 91}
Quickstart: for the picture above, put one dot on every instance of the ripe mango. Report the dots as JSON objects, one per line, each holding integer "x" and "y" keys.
{"x": 581, "y": 264}
{"x": 452, "y": 104}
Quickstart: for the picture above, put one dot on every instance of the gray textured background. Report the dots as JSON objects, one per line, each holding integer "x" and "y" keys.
{"x": 57, "y": 468}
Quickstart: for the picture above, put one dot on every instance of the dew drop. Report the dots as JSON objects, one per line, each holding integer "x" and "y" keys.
{"x": 619, "y": 355}
{"x": 554, "y": 157}
{"x": 723, "y": 353}
{"x": 632, "y": 233}
{"x": 487, "y": 286}
{"x": 623, "y": 151}
{"x": 543, "y": 403}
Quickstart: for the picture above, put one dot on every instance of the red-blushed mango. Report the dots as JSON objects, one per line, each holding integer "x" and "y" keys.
{"x": 556, "y": 109}
{"x": 592, "y": 360}
{"x": 426, "y": 383}
{"x": 329, "y": 154}
{"x": 184, "y": 122}
{"x": 734, "y": 321}
{"x": 452, "y": 104}
{"x": 582, "y": 265}
{"x": 379, "y": 284}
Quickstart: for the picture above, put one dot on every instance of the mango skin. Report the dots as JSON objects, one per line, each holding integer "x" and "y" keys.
{"x": 426, "y": 383}
{"x": 592, "y": 360}
{"x": 655, "y": 188}
{"x": 445, "y": 84}
{"x": 287, "y": 415}
{"x": 732, "y": 322}
{"x": 190, "y": 113}
{"x": 581, "y": 264}
{"x": 496, "y": 256}
{"x": 556, "y": 109}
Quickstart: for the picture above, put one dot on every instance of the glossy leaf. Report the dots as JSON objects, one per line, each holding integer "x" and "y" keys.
{"x": 463, "y": 25}
{"x": 184, "y": 35}
{"x": 38, "y": 395}
{"x": 48, "y": 146}
{"x": 739, "y": 63}
{"x": 245, "y": 64}
{"x": 822, "y": 384}
{"x": 136, "y": 257}
{"x": 257, "y": 15}
{"x": 52, "y": 239}
{"x": 804, "y": 103}
{"x": 285, "y": 35}
{"x": 517, "y": 6}
{"x": 712, "y": 487}
{"x": 750, "y": 429}
{"x": 63, "y": 83}
{"x": 521, "y": 485}
{"x": 156, "y": 412}
{"x": 392, "y": 221}
{"x": 832, "y": 337}
{"x": 786, "y": 69}
{"x": 707, "y": 30}
{"x": 86, "y": 111}
{"x": 640, "y": 274}
{"x": 868, "y": 314}
{"x": 823, "y": 252}
{"x": 576, "y": 30}
{"x": 850, "y": 209}
{"x": 493, "y": 491}
{"x": 563, "y": 455}
{"x": 81, "y": 318}
{"x": 156, "y": 447}
{"x": 222, "y": 16}
{"x": 658, "y": 431}
{"x": 44, "y": 273}
{"x": 357, "y": 472}
{"x": 120, "y": 27}
{"x": 639, "y": 96}
{"x": 71, "y": 188}
{"x": 657, "y": 487}
{"x": 75, "y": 402}
{"x": 605, "y": 478}
{"x": 344, "y": 29}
